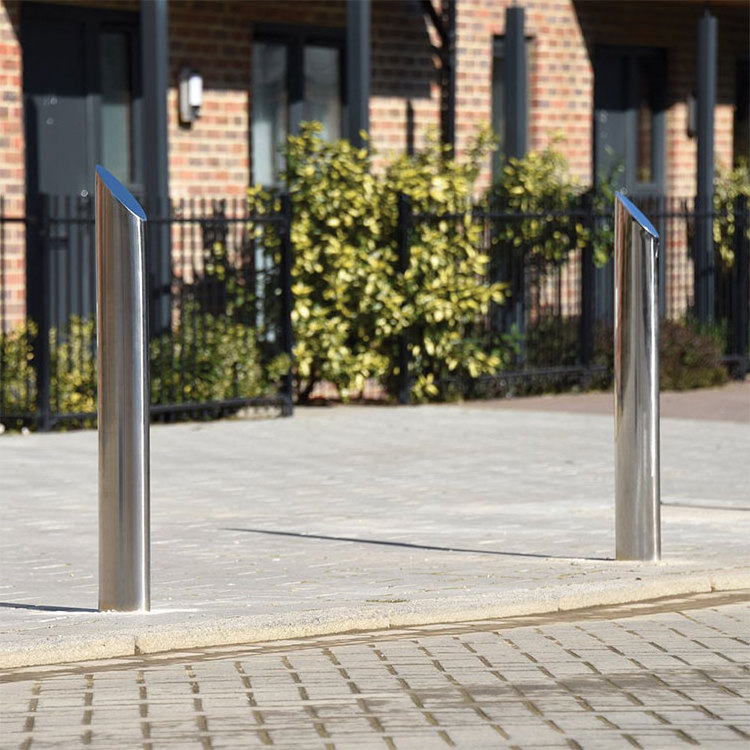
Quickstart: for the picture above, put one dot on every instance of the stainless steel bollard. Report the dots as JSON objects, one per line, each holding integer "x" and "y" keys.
{"x": 637, "y": 489}
{"x": 124, "y": 544}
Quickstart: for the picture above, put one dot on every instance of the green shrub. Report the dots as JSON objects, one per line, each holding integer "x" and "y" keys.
{"x": 73, "y": 383}
{"x": 342, "y": 270}
{"x": 18, "y": 382}
{"x": 206, "y": 358}
{"x": 689, "y": 358}
{"x": 445, "y": 292}
{"x": 350, "y": 304}
{"x": 540, "y": 184}
{"x": 209, "y": 358}
{"x": 729, "y": 185}
{"x": 564, "y": 216}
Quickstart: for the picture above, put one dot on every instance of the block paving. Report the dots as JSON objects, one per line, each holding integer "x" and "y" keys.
{"x": 667, "y": 675}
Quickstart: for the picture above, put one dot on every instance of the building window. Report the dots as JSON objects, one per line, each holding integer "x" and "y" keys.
{"x": 296, "y": 76}
{"x": 629, "y": 118}
{"x": 270, "y": 108}
{"x": 645, "y": 171}
{"x": 116, "y": 109}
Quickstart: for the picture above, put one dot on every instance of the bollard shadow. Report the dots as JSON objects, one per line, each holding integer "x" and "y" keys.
{"x": 45, "y": 608}
{"x": 412, "y": 545}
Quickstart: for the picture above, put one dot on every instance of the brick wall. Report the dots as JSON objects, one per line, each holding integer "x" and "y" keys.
{"x": 560, "y": 75}
{"x": 674, "y": 27}
{"x": 211, "y": 157}
{"x": 404, "y": 88}
{"x": 12, "y": 172}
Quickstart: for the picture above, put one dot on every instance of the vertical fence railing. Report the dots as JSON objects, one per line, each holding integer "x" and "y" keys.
{"x": 223, "y": 303}
{"x": 287, "y": 301}
{"x": 740, "y": 292}
{"x": 404, "y": 224}
{"x": 553, "y": 323}
{"x": 4, "y": 291}
{"x": 586, "y": 325}
{"x": 39, "y": 238}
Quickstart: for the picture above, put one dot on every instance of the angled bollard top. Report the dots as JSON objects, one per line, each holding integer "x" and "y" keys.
{"x": 636, "y": 385}
{"x": 112, "y": 189}
{"x": 623, "y": 203}
{"x": 123, "y": 398}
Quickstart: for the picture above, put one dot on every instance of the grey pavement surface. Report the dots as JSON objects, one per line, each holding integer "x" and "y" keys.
{"x": 667, "y": 676}
{"x": 360, "y": 518}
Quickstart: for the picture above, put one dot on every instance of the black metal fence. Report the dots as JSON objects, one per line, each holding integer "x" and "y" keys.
{"x": 220, "y": 302}
{"x": 556, "y": 323}
{"x": 220, "y": 313}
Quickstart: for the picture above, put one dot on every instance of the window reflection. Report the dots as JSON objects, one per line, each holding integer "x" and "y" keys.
{"x": 322, "y": 89}
{"x": 269, "y": 110}
{"x": 645, "y": 123}
{"x": 291, "y": 81}
{"x": 116, "y": 104}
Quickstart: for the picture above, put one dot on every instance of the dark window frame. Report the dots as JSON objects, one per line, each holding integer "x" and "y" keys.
{"x": 634, "y": 54}
{"x": 296, "y": 38}
{"x": 95, "y": 21}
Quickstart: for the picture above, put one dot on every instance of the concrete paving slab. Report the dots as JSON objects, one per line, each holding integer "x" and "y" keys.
{"x": 353, "y": 518}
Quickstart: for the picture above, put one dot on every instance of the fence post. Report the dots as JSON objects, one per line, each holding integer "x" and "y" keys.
{"x": 586, "y": 330}
{"x": 636, "y": 348}
{"x": 404, "y": 223}
{"x": 123, "y": 378}
{"x": 741, "y": 300}
{"x": 287, "y": 303}
{"x": 39, "y": 302}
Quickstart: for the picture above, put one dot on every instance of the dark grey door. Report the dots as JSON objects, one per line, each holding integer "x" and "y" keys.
{"x": 82, "y": 97}
{"x": 82, "y": 106}
{"x": 629, "y": 140}
{"x": 58, "y": 133}
{"x": 629, "y": 118}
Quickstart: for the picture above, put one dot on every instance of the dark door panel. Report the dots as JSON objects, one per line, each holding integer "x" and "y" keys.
{"x": 629, "y": 118}
{"x": 55, "y": 107}
{"x": 81, "y": 78}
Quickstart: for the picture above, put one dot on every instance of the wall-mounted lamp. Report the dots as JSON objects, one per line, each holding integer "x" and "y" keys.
{"x": 191, "y": 95}
{"x": 692, "y": 116}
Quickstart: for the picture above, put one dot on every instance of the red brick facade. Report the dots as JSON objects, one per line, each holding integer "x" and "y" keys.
{"x": 12, "y": 170}
{"x": 212, "y": 157}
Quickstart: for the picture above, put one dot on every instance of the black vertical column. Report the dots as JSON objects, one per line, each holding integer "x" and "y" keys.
{"x": 740, "y": 310}
{"x": 155, "y": 76}
{"x": 358, "y": 68}
{"x": 287, "y": 303}
{"x": 516, "y": 84}
{"x": 586, "y": 327}
{"x": 402, "y": 235}
{"x": 704, "y": 250}
{"x": 39, "y": 302}
{"x": 448, "y": 76}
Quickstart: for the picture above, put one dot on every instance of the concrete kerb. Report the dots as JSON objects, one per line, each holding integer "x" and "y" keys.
{"x": 145, "y": 638}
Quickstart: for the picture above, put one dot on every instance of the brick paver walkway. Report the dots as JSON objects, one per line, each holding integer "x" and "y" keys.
{"x": 642, "y": 677}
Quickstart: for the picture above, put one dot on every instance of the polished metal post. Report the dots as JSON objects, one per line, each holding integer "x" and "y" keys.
{"x": 122, "y": 310}
{"x": 637, "y": 490}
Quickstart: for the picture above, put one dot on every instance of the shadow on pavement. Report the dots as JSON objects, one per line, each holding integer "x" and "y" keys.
{"x": 410, "y": 545}
{"x": 45, "y": 608}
